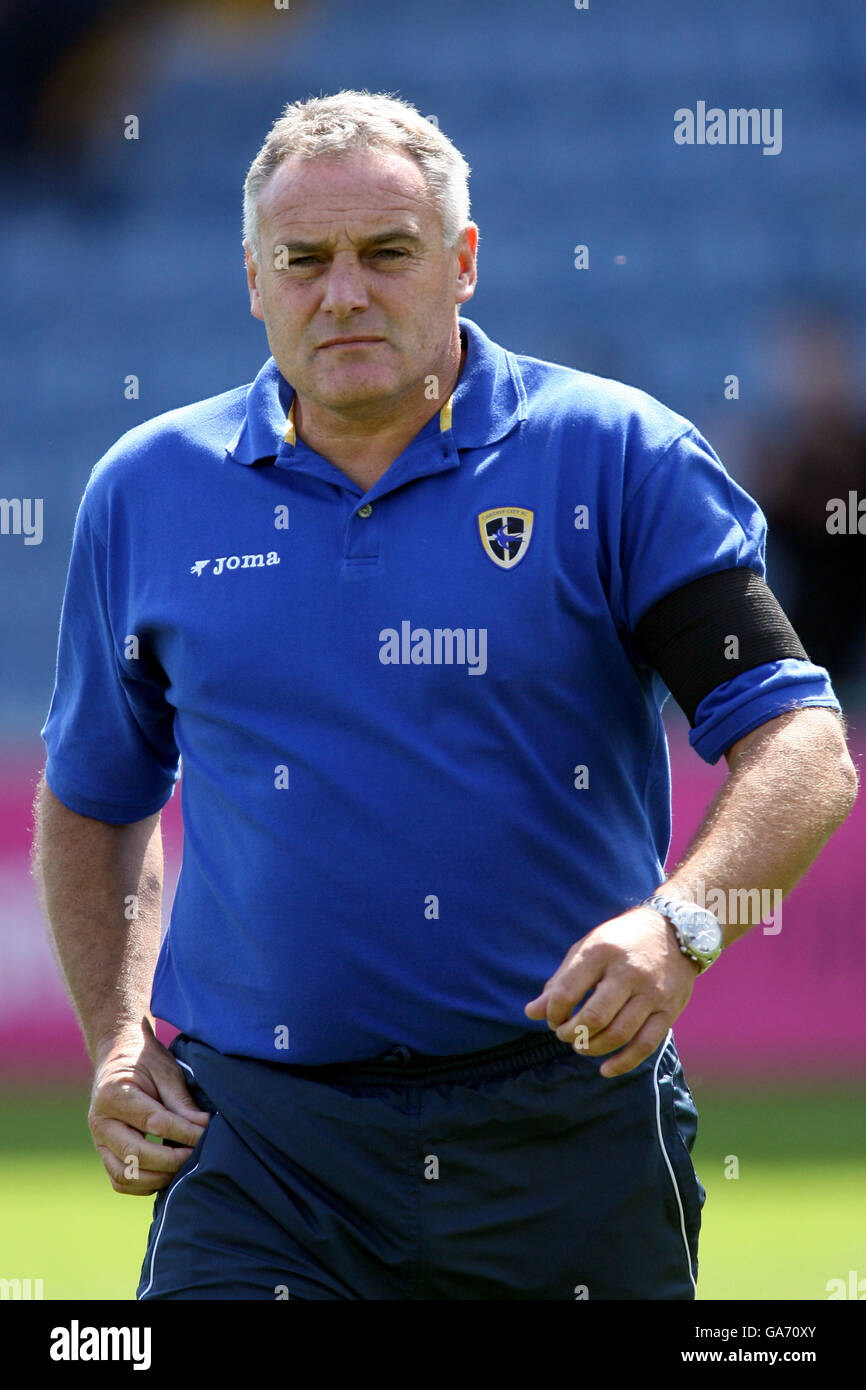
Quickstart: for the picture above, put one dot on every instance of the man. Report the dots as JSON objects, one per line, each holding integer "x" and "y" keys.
{"x": 403, "y": 607}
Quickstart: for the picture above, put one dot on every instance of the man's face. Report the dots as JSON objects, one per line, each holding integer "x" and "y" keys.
{"x": 346, "y": 279}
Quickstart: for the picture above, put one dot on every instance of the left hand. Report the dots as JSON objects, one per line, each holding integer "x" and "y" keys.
{"x": 640, "y": 981}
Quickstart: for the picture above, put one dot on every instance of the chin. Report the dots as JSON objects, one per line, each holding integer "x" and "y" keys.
{"x": 356, "y": 389}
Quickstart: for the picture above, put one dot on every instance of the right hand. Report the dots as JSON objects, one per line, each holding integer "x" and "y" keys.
{"x": 139, "y": 1089}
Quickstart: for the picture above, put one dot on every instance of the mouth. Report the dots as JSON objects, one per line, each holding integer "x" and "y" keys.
{"x": 351, "y": 342}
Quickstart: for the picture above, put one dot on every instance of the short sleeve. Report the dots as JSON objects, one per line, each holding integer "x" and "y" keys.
{"x": 740, "y": 705}
{"x": 687, "y": 518}
{"x": 109, "y": 731}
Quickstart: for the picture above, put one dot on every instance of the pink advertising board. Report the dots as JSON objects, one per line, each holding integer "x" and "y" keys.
{"x": 788, "y": 999}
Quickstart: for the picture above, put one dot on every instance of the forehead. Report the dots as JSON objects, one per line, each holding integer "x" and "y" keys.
{"x": 359, "y": 187}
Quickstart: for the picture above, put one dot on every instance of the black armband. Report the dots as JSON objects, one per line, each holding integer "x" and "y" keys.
{"x": 686, "y": 635}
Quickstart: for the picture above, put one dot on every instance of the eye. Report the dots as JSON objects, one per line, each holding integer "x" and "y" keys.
{"x": 390, "y": 251}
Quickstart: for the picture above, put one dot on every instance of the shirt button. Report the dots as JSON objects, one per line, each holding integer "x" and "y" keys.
{"x": 366, "y": 510}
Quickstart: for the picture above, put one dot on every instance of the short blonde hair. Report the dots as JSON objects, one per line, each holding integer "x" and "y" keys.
{"x": 357, "y": 120}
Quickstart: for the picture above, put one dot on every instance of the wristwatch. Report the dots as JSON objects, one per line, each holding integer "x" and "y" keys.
{"x": 696, "y": 929}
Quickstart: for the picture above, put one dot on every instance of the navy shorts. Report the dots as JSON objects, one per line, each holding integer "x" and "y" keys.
{"x": 515, "y": 1172}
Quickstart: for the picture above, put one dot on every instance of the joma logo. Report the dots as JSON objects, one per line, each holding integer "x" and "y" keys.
{"x": 235, "y": 562}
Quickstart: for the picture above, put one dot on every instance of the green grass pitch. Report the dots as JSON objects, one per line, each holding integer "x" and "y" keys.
{"x": 793, "y": 1219}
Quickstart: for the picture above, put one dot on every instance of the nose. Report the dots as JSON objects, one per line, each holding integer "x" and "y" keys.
{"x": 345, "y": 288}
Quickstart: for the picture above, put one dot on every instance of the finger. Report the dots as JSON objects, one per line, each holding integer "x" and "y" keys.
{"x": 572, "y": 981}
{"x": 600, "y": 1009}
{"x": 640, "y": 1047}
{"x": 571, "y": 989}
{"x": 175, "y": 1094}
{"x": 129, "y": 1144}
{"x": 130, "y": 1180}
{"x": 537, "y": 1007}
{"x": 125, "y": 1101}
{"x": 622, "y": 1029}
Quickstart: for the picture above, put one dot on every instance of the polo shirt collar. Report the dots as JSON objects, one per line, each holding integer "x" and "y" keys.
{"x": 487, "y": 403}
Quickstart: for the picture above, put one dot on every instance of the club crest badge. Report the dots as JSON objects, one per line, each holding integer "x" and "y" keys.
{"x": 505, "y": 534}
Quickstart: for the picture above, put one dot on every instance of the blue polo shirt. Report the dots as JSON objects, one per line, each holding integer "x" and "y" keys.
{"x": 421, "y": 756}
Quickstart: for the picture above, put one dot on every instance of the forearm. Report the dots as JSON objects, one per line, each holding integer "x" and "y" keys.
{"x": 101, "y": 888}
{"x": 784, "y": 798}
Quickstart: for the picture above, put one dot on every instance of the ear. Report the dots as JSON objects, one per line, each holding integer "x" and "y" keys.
{"x": 467, "y": 269}
{"x": 252, "y": 281}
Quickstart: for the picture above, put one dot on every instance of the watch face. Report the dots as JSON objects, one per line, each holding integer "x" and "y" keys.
{"x": 706, "y": 938}
{"x": 701, "y": 930}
